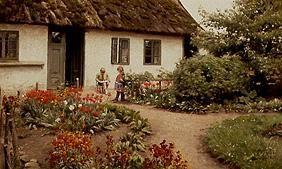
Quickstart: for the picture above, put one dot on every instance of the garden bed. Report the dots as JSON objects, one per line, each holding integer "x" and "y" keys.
{"x": 65, "y": 129}
{"x": 36, "y": 144}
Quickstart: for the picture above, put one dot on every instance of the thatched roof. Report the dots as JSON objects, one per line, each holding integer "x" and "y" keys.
{"x": 153, "y": 16}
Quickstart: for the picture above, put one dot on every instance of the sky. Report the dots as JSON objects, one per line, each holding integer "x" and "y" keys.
{"x": 192, "y": 6}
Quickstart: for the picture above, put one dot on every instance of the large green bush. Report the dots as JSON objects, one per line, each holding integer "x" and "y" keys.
{"x": 207, "y": 79}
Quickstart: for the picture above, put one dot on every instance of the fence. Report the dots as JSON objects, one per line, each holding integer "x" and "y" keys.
{"x": 135, "y": 88}
{"x": 8, "y": 148}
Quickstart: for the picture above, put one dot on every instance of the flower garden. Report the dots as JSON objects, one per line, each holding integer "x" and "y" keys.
{"x": 76, "y": 119}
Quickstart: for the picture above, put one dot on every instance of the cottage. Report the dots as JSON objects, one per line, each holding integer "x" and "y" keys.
{"x": 51, "y": 42}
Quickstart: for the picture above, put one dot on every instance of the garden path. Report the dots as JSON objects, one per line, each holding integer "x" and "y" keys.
{"x": 186, "y": 131}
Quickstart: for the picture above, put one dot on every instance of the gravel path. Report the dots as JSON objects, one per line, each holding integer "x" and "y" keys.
{"x": 185, "y": 131}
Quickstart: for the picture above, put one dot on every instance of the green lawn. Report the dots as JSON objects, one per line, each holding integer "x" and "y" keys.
{"x": 245, "y": 142}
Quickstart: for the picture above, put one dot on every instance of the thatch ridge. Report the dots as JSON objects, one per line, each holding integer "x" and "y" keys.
{"x": 155, "y": 16}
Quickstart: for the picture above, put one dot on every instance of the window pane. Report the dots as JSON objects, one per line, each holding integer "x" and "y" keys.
{"x": 148, "y": 47}
{"x": 124, "y": 50}
{"x": 157, "y": 52}
{"x": 148, "y": 52}
{"x": 6, "y": 45}
{"x": 1, "y": 46}
{"x": 156, "y": 60}
{"x": 148, "y": 60}
{"x": 12, "y": 45}
{"x": 12, "y": 36}
{"x": 156, "y": 48}
{"x": 12, "y": 54}
{"x": 56, "y": 37}
{"x": 114, "y": 50}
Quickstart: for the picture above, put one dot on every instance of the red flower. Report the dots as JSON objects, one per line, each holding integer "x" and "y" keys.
{"x": 86, "y": 109}
{"x": 96, "y": 114}
{"x": 147, "y": 84}
{"x": 70, "y": 149}
{"x": 42, "y": 96}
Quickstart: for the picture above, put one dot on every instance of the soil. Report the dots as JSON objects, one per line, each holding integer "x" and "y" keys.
{"x": 35, "y": 145}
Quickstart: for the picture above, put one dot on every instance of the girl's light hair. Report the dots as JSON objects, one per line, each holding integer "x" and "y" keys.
{"x": 120, "y": 68}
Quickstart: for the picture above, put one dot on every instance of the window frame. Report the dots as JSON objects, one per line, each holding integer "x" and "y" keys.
{"x": 152, "y": 52}
{"x": 118, "y": 54}
{"x": 3, "y": 49}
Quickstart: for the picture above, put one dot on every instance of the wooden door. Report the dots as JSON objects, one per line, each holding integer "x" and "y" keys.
{"x": 56, "y": 59}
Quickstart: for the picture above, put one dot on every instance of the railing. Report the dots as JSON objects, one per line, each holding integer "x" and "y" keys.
{"x": 135, "y": 88}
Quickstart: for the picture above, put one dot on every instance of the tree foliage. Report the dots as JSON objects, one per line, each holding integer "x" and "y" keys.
{"x": 250, "y": 27}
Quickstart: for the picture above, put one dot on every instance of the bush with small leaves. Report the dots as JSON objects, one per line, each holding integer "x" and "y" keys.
{"x": 208, "y": 79}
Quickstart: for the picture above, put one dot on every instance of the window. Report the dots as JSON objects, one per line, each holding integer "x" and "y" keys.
{"x": 56, "y": 37}
{"x": 9, "y": 42}
{"x": 120, "y": 51}
{"x": 152, "y": 52}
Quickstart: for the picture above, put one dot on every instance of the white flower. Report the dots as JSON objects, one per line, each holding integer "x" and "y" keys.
{"x": 65, "y": 102}
{"x": 80, "y": 105}
{"x": 58, "y": 120}
{"x": 71, "y": 107}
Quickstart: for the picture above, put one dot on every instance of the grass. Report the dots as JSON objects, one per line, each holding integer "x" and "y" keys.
{"x": 242, "y": 143}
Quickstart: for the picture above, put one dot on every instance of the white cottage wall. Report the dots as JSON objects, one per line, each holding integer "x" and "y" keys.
{"x": 98, "y": 53}
{"x": 32, "y": 65}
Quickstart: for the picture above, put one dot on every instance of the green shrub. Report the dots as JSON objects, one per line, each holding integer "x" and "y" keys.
{"x": 134, "y": 82}
{"x": 267, "y": 78}
{"x": 207, "y": 79}
{"x": 166, "y": 99}
{"x": 144, "y": 88}
{"x": 241, "y": 142}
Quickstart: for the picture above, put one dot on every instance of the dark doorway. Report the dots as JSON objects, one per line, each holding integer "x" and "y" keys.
{"x": 56, "y": 58}
{"x": 74, "y": 56}
{"x": 65, "y": 56}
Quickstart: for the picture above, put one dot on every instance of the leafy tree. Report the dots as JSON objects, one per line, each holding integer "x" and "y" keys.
{"x": 250, "y": 27}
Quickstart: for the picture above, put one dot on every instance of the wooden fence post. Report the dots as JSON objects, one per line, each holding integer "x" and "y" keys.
{"x": 7, "y": 154}
{"x": 36, "y": 86}
{"x": 1, "y": 118}
{"x": 2, "y": 154}
{"x": 8, "y": 136}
